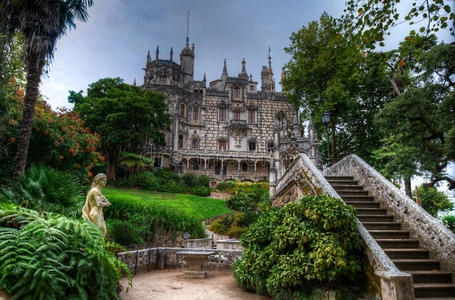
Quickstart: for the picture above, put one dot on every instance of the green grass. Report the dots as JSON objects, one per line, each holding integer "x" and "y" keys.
{"x": 196, "y": 206}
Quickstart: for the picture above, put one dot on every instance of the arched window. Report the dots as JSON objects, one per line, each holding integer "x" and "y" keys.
{"x": 195, "y": 114}
{"x": 270, "y": 146}
{"x": 237, "y": 93}
{"x": 182, "y": 110}
{"x": 244, "y": 167}
{"x": 195, "y": 143}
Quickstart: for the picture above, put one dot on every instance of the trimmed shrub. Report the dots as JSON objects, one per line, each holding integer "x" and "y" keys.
{"x": 302, "y": 247}
{"x": 190, "y": 180}
{"x": 204, "y": 181}
{"x": 147, "y": 181}
{"x": 171, "y": 187}
{"x": 124, "y": 232}
{"x": 44, "y": 188}
{"x": 49, "y": 256}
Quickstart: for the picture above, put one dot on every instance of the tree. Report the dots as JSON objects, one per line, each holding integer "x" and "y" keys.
{"x": 433, "y": 201}
{"x": 370, "y": 20}
{"x": 327, "y": 72}
{"x": 124, "y": 116}
{"x": 422, "y": 117}
{"x": 41, "y": 23}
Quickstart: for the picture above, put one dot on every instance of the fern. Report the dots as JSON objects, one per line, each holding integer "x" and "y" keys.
{"x": 54, "y": 257}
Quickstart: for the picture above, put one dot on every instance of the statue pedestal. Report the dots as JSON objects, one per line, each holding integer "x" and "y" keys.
{"x": 195, "y": 260}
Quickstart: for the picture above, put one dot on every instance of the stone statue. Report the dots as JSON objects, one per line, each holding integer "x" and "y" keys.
{"x": 93, "y": 208}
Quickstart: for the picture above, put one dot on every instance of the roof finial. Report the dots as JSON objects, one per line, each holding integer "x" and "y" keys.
{"x": 270, "y": 59}
{"x": 224, "y": 67}
{"x": 171, "y": 54}
{"x": 134, "y": 83}
{"x": 244, "y": 69}
{"x": 188, "y": 29}
{"x": 157, "y": 52}
{"x": 204, "y": 80}
{"x": 149, "y": 60}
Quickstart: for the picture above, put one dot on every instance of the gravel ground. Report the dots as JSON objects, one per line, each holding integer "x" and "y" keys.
{"x": 169, "y": 284}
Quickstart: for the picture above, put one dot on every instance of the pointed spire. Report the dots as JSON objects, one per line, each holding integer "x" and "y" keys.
{"x": 171, "y": 55}
{"x": 157, "y": 52}
{"x": 149, "y": 60}
{"x": 270, "y": 59}
{"x": 225, "y": 73}
{"x": 243, "y": 73}
{"x": 251, "y": 77}
{"x": 188, "y": 29}
{"x": 134, "y": 83}
{"x": 204, "y": 80}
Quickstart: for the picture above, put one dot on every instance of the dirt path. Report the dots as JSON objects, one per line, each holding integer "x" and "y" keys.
{"x": 161, "y": 285}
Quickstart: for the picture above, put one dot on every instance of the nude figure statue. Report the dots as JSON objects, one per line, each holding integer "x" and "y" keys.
{"x": 93, "y": 208}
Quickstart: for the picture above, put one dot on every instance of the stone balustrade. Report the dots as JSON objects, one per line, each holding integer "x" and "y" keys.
{"x": 199, "y": 243}
{"x": 303, "y": 178}
{"x": 431, "y": 233}
{"x": 228, "y": 245}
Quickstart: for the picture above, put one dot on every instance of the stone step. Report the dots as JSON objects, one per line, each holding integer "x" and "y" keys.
{"x": 371, "y": 211}
{"x": 416, "y": 253}
{"x": 364, "y": 204}
{"x": 430, "y": 276}
{"x": 341, "y": 181}
{"x": 346, "y": 187}
{"x": 375, "y": 218}
{"x": 434, "y": 289}
{"x": 339, "y": 178}
{"x": 398, "y": 243}
{"x": 382, "y": 225}
{"x": 417, "y": 264}
{"x": 355, "y": 198}
{"x": 350, "y": 193}
{"x": 389, "y": 234}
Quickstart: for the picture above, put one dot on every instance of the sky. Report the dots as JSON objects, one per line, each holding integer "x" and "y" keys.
{"x": 115, "y": 39}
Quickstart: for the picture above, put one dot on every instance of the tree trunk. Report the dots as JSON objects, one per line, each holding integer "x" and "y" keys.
{"x": 35, "y": 66}
{"x": 407, "y": 187}
{"x": 111, "y": 158}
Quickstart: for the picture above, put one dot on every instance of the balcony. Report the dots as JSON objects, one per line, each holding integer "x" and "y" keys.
{"x": 240, "y": 124}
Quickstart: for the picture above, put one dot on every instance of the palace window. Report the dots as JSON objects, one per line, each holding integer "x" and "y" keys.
{"x": 195, "y": 165}
{"x": 236, "y": 115}
{"x": 217, "y": 168}
{"x": 180, "y": 141}
{"x": 222, "y": 114}
{"x": 195, "y": 143}
{"x": 244, "y": 167}
{"x": 182, "y": 110}
{"x": 222, "y": 145}
{"x": 252, "y": 88}
{"x": 252, "y": 146}
{"x": 237, "y": 93}
{"x": 157, "y": 162}
{"x": 251, "y": 116}
{"x": 195, "y": 114}
{"x": 270, "y": 146}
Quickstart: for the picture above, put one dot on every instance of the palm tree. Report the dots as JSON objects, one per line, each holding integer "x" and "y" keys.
{"x": 41, "y": 22}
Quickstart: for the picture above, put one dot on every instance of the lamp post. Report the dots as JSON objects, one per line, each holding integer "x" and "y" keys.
{"x": 326, "y": 121}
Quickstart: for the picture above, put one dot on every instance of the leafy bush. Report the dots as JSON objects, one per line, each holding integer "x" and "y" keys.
{"x": 49, "y": 256}
{"x": 147, "y": 181}
{"x": 151, "y": 216}
{"x": 190, "y": 180}
{"x": 204, "y": 181}
{"x": 433, "y": 201}
{"x": 249, "y": 200}
{"x": 236, "y": 231}
{"x": 226, "y": 185}
{"x": 125, "y": 233}
{"x": 44, "y": 188}
{"x": 171, "y": 187}
{"x": 449, "y": 221}
{"x": 199, "y": 191}
{"x": 222, "y": 224}
{"x": 301, "y": 247}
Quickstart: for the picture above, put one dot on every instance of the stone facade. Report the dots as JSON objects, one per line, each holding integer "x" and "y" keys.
{"x": 227, "y": 129}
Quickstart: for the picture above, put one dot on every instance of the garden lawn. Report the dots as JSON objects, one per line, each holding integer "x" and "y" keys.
{"x": 199, "y": 207}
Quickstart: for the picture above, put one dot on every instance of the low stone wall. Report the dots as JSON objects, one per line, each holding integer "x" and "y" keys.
{"x": 302, "y": 178}
{"x": 167, "y": 258}
{"x": 220, "y": 195}
{"x": 434, "y": 236}
{"x": 228, "y": 244}
{"x": 199, "y": 243}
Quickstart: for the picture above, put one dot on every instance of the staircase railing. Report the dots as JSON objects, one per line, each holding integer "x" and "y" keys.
{"x": 303, "y": 178}
{"x": 431, "y": 233}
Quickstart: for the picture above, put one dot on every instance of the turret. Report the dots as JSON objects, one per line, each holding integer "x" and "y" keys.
{"x": 157, "y": 53}
{"x": 243, "y": 73}
{"x": 224, "y": 75}
{"x": 187, "y": 63}
{"x": 268, "y": 83}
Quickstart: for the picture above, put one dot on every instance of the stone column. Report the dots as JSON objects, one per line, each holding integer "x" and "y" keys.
{"x": 238, "y": 168}
{"x": 205, "y": 166}
{"x": 255, "y": 173}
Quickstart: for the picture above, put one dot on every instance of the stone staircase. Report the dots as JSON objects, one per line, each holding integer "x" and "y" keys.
{"x": 429, "y": 281}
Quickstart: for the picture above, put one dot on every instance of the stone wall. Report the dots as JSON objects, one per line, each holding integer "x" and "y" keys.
{"x": 438, "y": 239}
{"x": 167, "y": 258}
{"x": 199, "y": 243}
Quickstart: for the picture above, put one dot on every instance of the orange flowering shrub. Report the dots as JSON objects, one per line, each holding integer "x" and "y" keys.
{"x": 59, "y": 138}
